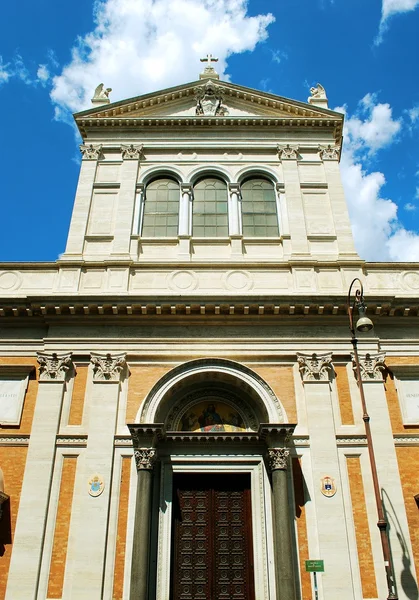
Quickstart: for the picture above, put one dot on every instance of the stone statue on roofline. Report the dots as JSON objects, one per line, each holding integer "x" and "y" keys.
{"x": 318, "y": 96}
{"x": 101, "y": 95}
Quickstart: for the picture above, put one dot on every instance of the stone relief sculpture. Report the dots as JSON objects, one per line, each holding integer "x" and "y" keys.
{"x": 101, "y": 93}
{"x": 54, "y": 367}
{"x": 372, "y": 366}
{"x": 318, "y": 92}
{"x": 90, "y": 151}
{"x": 209, "y": 100}
{"x": 107, "y": 367}
{"x": 315, "y": 367}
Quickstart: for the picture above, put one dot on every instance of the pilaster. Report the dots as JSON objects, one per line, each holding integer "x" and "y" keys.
{"x": 316, "y": 372}
{"x": 373, "y": 371}
{"x": 185, "y": 224}
{"x": 88, "y": 530}
{"x": 54, "y": 370}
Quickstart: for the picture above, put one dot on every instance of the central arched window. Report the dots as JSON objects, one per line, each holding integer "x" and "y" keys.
{"x": 161, "y": 208}
{"x": 259, "y": 209}
{"x": 210, "y": 212}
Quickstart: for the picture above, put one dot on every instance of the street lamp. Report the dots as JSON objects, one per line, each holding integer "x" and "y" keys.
{"x": 364, "y": 324}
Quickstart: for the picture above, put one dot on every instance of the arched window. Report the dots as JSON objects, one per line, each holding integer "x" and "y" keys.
{"x": 259, "y": 211}
{"x": 210, "y": 213}
{"x": 161, "y": 208}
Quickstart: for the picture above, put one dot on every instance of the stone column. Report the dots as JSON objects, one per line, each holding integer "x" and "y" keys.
{"x": 145, "y": 455}
{"x": 126, "y": 201}
{"x": 54, "y": 370}
{"x": 88, "y": 531}
{"x": 316, "y": 371}
{"x": 330, "y": 158}
{"x": 185, "y": 218}
{"x": 372, "y": 370}
{"x": 78, "y": 225}
{"x": 282, "y": 517}
{"x": 296, "y": 218}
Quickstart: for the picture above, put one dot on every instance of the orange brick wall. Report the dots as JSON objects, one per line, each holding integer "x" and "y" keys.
{"x": 12, "y": 463}
{"x": 77, "y": 398}
{"x": 408, "y": 459}
{"x": 281, "y": 380}
{"x": 141, "y": 380}
{"x": 62, "y": 526}
{"x": 363, "y": 539}
{"x": 344, "y": 395}
{"x": 30, "y": 397}
{"x": 121, "y": 534}
{"x": 300, "y": 513}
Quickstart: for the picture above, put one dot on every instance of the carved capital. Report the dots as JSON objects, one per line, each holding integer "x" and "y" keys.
{"x": 234, "y": 188}
{"x": 372, "y": 366}
{"x": 54, "y": 367}
{"x": 145, "y": 458}
{"x": 108, "y": 367}
{"x": 288, "y": 152}
{"x": 278, "y": 459}
{"x": 315, "y": 367}
{"x": 132, "y": 152}
{"x": 329, "y": 152}
{"x": 186, "y": 188}
{"x": 90, "y": 151}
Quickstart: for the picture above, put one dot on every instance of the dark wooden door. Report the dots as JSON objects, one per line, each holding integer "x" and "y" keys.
{"x": 212, "y": 538}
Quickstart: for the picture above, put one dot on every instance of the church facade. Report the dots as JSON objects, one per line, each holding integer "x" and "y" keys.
{"x": 180, "y": 417}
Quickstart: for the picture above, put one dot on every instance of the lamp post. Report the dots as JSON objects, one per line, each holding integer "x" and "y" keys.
{"x": 364, "y": 324}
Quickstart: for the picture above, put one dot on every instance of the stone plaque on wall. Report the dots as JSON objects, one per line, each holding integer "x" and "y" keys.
{"x": 408, "y": 390}
{"x": 12, "y": 394}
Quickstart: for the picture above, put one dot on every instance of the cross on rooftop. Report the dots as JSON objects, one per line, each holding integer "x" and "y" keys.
{"x": 209, "y": 59}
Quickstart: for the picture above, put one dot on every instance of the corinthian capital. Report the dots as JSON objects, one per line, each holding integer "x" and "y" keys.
{"x": 132, "y": 152}
{"x": 288, "y": 152}
{"x": 315, "y": 367}
{"x": 145, "y": 458}
{"x": 372, "y": 366}
{"x": 54, "y": 367}
{"x": 108, "y": 367}
{"x": 91, "y": 151}
{"x": 329, "y": 152}
{"x": 278, "y": 458}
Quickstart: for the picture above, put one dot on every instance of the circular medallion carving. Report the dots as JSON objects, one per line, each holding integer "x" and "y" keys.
{"x": 10, "y": 280}
{"x": 411, "y": 280}
{"x": 240, "y": 281}
{"x": 183, "y": 281}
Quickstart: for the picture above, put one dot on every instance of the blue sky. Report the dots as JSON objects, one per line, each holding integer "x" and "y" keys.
{"x": 364, "y": 53}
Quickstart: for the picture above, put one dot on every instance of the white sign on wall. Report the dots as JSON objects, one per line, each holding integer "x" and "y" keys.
{"x": 409, "y": 399}
{"x": 12, "y": 395}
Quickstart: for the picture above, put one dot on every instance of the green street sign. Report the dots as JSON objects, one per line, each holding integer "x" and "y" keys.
{"x": 313, "y": 566}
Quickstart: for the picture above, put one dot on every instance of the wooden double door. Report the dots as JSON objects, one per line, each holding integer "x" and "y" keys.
{"x": 212, "y": 538}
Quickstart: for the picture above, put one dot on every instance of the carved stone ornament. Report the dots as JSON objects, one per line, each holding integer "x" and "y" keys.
{"x": 132, "y": 152}
{"x": 318, "y": 92}
{"x": 54, "y": 367}
{"x": 145, "y": 458}
{"x": 96, "y": 485}
{"x": 108, "y": 367}
{"x": 209, "y": 100}
{"x": 315, "y": 367}
{"x": 101, "y": 93}
{"x": 90, "y": 151}
{"x": 278, "y": 458}
{"x": 288, "y": 152}
{"x": 372, "y": 366}
{"x": 329, "y": 152}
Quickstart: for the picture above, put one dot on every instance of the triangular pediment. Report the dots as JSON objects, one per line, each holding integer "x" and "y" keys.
{"x": 208, "y": 98}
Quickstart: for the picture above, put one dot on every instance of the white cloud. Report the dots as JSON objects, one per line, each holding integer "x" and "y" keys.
{"x": 390, "y": 8}
{"x": 139, "y": 46}
{"x": 5, "y": 72}
{"x": 378, "y": 233}
{"x": 409, "y": 206}
{"x": 43, "y": 74}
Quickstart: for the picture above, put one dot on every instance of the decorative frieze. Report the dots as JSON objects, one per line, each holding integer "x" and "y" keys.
{"x": 132, "y": 152}
{"x": 372, "y": 366}
{"x": 108, "y": 367}
{"x": 288, "y": 152}
{"x": 54, "y": 367}
{"x": 278, "y": 458}
{"x": 329, "y": 152}
{"x": 145, "y": 458}
{"x": 91, "y": 151}
{"x": 315, "y": 367}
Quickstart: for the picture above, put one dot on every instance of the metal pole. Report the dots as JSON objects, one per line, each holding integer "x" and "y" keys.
{"x": 381, "y": 523}
{"x": 316, "y": 592}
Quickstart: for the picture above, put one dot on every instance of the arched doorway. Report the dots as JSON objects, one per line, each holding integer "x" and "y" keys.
{"x": 212, "y": 426}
